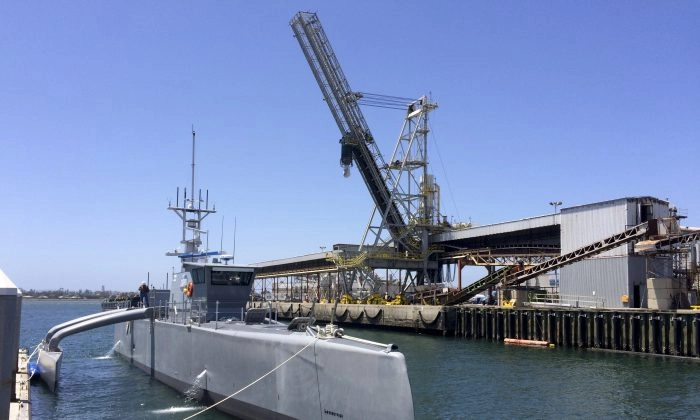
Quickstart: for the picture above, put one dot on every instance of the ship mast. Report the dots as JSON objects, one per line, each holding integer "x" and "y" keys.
{"x": 192, "y": 214}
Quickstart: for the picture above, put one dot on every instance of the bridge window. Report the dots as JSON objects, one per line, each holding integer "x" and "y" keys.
{"x": 231, "y": 278}
{"x": 198, "y": 275}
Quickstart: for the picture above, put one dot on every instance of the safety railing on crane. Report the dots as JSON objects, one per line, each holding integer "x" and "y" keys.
{"x": 343, "y": 262}
{"x": 343, "y": 104}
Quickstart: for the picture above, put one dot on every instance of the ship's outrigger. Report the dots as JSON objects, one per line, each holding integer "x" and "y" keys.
{"x": 50, "y": 354}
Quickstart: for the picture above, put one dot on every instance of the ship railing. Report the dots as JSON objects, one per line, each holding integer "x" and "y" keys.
{"x": 567, "y": 301}
{"x": 200, "y": 310}
{"x": 160, "y": 309}
{"x": 186, "y": 311}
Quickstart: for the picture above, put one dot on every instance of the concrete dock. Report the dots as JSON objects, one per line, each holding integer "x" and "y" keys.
{"x": 639, "y": 330}
{"x": 14, "y": 381}
{"x": 20, "y": 405}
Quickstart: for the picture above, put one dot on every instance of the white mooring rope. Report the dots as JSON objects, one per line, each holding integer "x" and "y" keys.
{"x": 29, "y": 359}
{"x": 255, "y": 381}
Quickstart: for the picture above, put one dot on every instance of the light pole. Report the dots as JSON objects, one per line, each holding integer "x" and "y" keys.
{"x": 556, "y": 278}
{"x": 555, "y": 204}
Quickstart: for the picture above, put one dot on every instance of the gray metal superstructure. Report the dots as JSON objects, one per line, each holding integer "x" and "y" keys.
{"x": 244, "y": 362}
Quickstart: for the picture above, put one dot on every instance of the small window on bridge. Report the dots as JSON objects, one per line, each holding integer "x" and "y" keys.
{"x": 198, "y": 276}
{"x": 230, "y": 278}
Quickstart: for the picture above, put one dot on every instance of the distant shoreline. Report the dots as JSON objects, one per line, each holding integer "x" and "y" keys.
{"x": 69, "y": 299}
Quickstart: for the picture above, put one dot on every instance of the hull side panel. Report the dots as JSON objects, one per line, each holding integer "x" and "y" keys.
{"x": 231, "y": 361}
{"x": 374, "y": 383}
{"x": 327, "y": 379}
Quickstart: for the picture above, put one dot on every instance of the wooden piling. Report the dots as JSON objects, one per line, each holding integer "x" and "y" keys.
{"x": 675, "y": 333}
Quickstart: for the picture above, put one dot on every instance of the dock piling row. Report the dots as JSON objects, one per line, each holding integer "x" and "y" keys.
{"x": 671, "y": 333}
{"x": 664, "y": 333}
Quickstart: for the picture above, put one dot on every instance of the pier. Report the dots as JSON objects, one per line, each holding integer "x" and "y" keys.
{"x": 14, "y": 380}
{"x": 630, "y": 255}
{"x": 668, "y": 333}
{"x": 20, "y": 404}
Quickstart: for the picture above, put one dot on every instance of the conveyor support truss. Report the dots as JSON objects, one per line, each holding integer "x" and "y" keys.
{"x": 513, "y": 275}
{"x": 356, "y": 136}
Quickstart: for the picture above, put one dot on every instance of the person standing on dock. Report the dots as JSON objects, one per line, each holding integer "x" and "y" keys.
{"x": 143, "y": 293}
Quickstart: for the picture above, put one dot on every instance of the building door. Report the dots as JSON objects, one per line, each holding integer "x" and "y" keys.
{"x": 636, "y": 297}
{"x": 647, "y": 212}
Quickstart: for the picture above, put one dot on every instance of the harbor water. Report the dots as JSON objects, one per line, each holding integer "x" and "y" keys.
{"x": 452, "y": 378}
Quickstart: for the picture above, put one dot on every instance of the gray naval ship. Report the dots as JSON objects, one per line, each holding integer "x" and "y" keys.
{"x": 198, "y": 335}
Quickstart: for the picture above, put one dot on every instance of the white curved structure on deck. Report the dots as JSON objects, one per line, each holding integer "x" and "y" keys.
{"x": 66, "y": 324}
{"x": 49, "y": 361}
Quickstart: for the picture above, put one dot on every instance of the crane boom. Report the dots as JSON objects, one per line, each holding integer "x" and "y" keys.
{"x": 357, "y": 142}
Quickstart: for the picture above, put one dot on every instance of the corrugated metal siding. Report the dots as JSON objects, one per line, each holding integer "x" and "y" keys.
{"x": 584, "y": 225}
{"x": 607, "y": 277}
{"x": 661, "y": 209}
{"x": 640, "y": 268}
{"x": 612, "y": 277}
{"x": 616, "y": 272}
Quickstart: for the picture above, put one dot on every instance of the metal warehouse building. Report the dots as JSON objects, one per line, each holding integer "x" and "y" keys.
{"x": 615, "y": 278}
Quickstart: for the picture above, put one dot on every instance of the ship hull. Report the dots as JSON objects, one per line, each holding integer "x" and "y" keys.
{"x": 274, "y": 374}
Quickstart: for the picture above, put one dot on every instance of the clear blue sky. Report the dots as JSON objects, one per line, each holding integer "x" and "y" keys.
{"x": 538, "y": 101}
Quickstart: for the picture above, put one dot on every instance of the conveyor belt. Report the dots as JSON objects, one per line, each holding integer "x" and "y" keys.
{"x": 478, "y": 286}
{"x": 342, "y": 102}
{"x": 513, "y": 275}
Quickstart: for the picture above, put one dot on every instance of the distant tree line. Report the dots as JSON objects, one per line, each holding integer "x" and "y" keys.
{"x": 72, "y": 294}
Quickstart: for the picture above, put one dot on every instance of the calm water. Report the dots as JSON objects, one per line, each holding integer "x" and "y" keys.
{"x": 451, "y": 378}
